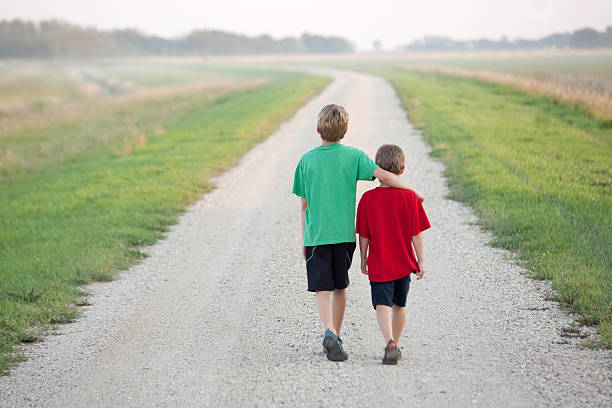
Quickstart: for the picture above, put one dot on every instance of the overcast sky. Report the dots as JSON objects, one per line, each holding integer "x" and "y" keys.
{"x": 391, "y": 21}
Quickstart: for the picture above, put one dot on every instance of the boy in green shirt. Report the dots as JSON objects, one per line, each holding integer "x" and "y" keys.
{"x": 326, "y": 180}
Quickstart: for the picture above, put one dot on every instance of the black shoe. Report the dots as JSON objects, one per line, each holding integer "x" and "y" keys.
{"x": 332, "y": 347}
{"x": 393, "y": 355}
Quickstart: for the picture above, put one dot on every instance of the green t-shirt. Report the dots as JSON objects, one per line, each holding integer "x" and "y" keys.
{"x": 327, "y": 178}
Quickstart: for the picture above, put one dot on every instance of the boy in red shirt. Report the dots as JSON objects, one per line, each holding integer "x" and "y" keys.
{"x": 389, "y": 224}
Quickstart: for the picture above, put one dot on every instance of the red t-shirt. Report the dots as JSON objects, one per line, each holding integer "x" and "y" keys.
{"x": 390, "y": 217}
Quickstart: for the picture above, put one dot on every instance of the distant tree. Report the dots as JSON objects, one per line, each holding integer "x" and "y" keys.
{"x": 57, "y": 39}
{"x": 325, "y": 45}
{"x": 585, "y": 38}
{"x": 290, "y": 45}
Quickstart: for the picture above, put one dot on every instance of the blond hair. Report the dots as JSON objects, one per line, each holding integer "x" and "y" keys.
{"x": 332, "y": 123}
{"x": 391, "y": 158}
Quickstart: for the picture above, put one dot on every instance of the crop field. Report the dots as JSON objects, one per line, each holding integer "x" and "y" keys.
{"x": 536, "y": 166}
{"x": 98, "y": 159}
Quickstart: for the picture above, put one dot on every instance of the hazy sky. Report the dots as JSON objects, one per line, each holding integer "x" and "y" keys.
{"x": 391, "y": 21}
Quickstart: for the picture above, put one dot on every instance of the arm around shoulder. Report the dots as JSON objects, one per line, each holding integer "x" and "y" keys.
{"x": 394, "y": 180}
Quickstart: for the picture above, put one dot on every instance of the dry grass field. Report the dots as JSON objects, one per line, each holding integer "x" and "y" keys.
{"x": 582, "y": 79}
{"x": 52, "y": 111}
{"x": 591, "y": 92}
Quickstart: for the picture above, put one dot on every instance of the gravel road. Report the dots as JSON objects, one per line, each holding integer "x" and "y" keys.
{"x": 219, "y": 315}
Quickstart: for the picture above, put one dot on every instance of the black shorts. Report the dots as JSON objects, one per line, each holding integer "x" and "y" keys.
{"x": 327, "y": 265}
{"x": 390, "y": 293}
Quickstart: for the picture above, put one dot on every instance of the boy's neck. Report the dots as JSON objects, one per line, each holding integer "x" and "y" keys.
{"x": 326, "y": 143}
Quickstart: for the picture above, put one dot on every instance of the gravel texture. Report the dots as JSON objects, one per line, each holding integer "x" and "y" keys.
{"x": 219, "y": 315}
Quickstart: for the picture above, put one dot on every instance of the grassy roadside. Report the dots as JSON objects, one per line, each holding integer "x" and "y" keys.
{"x": 538, "y": 173}
{"x": 83, "y": 218}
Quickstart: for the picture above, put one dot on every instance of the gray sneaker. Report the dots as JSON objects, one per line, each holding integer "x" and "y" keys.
{"x": 332, "y": 347}
{"x": 392, "y": 355}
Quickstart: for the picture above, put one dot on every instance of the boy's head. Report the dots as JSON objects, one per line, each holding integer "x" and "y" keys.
{"x": 391, "y": 158}
{"x": 332, "y": 123}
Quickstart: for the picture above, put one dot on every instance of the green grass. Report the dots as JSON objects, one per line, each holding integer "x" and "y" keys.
{"x": 66, "y": 223}
{"x": 538, "y": 173}
{"x": 38, "y": 141}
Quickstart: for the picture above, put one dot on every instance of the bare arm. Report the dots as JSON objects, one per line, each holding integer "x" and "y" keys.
{"x": 363, "y": 248}
{"x": 394, "y": 180}
{"x": 304, "y": 206}
{"x": 417, "y": 242}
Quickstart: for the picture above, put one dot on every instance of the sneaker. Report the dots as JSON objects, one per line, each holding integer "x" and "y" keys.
{"x": 392, "y": 355}
{"x": 332, "y": 347}
{"x": 341, "y": 347}
{"x": 328, "y": 337}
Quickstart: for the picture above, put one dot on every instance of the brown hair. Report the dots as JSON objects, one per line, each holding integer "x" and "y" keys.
{"x": 390, "y": 157}
{"x": 332, "y": 123}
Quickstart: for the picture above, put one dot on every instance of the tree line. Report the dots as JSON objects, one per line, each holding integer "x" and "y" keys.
{"x": 58, "y": 39}
{"x": 580, "y": 39}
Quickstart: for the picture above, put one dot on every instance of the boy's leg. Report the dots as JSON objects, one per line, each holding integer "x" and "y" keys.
{"x": 384, "y": 321}
{"x": 327, "y": 269}
{"x": 341, "y": 262}
{"x": 321, "y": 281}
{"x": 331, "y": 311}
{"x": 397, "y": 320}
{"x": 382, "y": 295}
{"x": 382, "y": 299}
{"x": 338, "y": 307}
{"x": 392, "y": 353}
{"x": 400, "y": 293}
{"x": 324, "y": 305}
{"x": 332, "y": 345}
